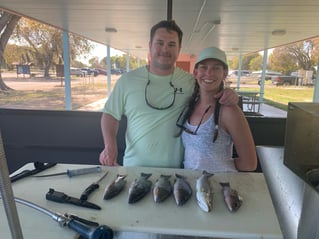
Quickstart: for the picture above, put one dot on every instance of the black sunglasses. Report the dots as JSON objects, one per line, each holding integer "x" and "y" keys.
{"x": 160, "y": 108}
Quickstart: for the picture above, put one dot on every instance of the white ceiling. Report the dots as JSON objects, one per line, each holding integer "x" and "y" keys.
{"x": 245, "y": 26}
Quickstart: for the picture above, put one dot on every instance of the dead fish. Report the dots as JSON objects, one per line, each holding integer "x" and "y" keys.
{"x": 232, "y": 199}
{"x": 162, "y": 188}
{"x": 115, "y": 187}
{"x": 182, "y": 190}
{"x": 139, "y": 188}
{"x": 204, "y": 193}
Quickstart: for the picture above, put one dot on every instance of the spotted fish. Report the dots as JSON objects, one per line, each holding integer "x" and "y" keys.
{"x": 182, "y": 190}
{"x": 115, "y": 187}
{"x": 139, "y": 188}
{"x": 162, "y": 188}
{"x": 204, "y": 193}
{"x": 232, "y": 199}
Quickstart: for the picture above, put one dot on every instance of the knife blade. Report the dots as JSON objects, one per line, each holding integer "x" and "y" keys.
{"x": 91, "y": 188}
{"x": 74, "y": 172}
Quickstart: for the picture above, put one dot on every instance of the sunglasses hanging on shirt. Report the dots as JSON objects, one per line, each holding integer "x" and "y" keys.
{"x": 157, "y": 107}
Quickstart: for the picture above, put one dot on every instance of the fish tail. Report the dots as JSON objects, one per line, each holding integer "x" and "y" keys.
{"x": 146, "y": 175}
{"x": 179, "y": 176}
{"x": 120, "y": 177}
{"x": 207, "y": 173}
{"x": 224, "y": 184}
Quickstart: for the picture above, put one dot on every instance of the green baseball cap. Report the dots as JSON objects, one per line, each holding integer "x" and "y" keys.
{"x": 212, "y": 53}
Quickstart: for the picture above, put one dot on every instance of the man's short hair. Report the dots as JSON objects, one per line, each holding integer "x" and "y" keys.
{"x": 170, "y": 25}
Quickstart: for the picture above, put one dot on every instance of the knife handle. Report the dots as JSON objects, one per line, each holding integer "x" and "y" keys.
{"x": 76, "y": 172}
{"x": 88, "y": 191}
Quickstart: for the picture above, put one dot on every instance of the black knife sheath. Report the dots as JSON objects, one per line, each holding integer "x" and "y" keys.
{"x": 61, "y": 197}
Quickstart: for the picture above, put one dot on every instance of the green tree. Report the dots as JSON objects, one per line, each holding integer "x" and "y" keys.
{"x": 301, "y": 52}
{"x": 282, "y": 60}
{"x": 298, "y": 56}
{"x": 15, "y": 54}
{"x": 46, "y": 45}
{"x": 245, "y": 64}
{"x": 95, "y": 63}
{"x": 315, "y": 50}
{"x": 255, "y": 63}
{"x": 233, "y": 63}
{"x": 78, "y": 64}
{"x": 10, "y": 55}
{"x": 120, "y": 62}
{"x": 7, "y": 24}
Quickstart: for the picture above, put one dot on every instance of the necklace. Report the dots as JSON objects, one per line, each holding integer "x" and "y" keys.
{"x": 171, "y": 85}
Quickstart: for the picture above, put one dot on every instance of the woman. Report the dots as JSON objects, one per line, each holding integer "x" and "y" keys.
{"x": 209, "y": 130}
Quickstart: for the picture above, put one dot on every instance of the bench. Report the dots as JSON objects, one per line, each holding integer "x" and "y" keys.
{"x": 253, "y": 106}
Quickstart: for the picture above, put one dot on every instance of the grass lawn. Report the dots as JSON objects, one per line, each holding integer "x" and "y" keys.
{"x": 279, "y": 96}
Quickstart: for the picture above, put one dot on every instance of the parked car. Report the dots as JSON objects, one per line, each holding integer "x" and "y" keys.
{"x": 268, "y": 75}
{"x": 284, "y": 80}
{"x": 90, "y": 71}
{"x": 77, "y": 72}
{"x": 235, "y": 73}
{"x": 117, "y": 71}
{"x": 101, "y": 71}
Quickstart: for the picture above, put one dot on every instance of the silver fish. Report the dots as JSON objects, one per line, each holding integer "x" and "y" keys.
{"x": 139, "y": 188}
{"x": 232, "y": 199}
{"x": 115, "y": 187}
{"x": 182, "y": 190}
{"x": 162, "y": 188}
{"x": 204, "y": 193}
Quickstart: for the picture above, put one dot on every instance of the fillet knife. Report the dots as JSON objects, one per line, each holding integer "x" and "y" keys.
{"x": 74, "y": 172}
{"x": 92, "y": 187}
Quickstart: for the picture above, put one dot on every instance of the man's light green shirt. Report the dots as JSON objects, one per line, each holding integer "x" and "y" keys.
{"x": 150, "y": 134}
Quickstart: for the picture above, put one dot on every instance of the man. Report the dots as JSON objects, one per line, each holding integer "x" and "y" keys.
{"x": 151, "y": 97}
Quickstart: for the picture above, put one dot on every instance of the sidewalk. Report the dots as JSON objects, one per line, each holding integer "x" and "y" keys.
{"x": 270, "y": 111}
{"x": 95, "y": 106}
{"x": 266, "y": 110}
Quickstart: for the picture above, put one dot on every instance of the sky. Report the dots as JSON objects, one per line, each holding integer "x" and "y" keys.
{"x": 99, "y": 51}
